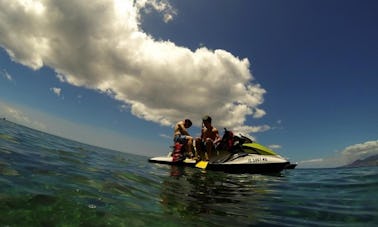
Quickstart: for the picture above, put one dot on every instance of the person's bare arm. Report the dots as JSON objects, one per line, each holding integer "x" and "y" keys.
{"x": 217, "y": 136}
{"x": 183, "y": 129}
{"x": 203, "y": 134}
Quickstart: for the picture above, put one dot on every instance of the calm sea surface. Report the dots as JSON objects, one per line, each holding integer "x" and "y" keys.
{"x": 49, "y": 181}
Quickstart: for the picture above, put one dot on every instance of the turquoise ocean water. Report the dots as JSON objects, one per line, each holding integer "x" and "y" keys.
{"x": 50, "y": 181}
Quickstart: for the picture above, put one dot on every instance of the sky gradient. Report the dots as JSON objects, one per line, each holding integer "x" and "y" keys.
{"x": 299, "y": 76}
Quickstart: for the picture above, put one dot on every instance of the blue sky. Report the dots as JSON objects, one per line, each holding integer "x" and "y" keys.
{"x": 299, "y": 76}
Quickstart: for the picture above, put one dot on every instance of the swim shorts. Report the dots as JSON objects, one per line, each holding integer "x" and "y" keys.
{"x": 179, "y": 139}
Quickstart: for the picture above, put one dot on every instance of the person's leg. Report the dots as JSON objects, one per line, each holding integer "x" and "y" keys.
{"x": 189, "y": 144}
{"x": 198, "y": 145}
{"x": 209, "y": 148}
{"x": 203, "y": 154}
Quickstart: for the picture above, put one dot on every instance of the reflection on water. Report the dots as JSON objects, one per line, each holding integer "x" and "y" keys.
{"x": 194, "y": 193}
{"x": 335, "y": 197}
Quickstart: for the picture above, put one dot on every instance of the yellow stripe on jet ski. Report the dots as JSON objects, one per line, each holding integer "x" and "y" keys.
{"x": 260, "y": 148}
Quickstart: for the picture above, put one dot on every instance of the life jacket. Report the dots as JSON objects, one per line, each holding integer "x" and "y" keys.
{"x": 231, "y": 142}
{"x": 227, "y": 142}
{"x": 178, "y": 152}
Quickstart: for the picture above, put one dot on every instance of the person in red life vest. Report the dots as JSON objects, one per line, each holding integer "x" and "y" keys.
{"x": 182, "y": 136}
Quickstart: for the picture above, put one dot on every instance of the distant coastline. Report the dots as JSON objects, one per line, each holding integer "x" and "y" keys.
{"x": 369, "y": 161}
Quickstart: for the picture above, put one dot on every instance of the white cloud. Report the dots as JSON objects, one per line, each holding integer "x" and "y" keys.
{"x": 316, "y": 160}
{"x": 247, "y": 130}
{"x": 77, "y": 131}
{"x": 165, "y": 136}
{"x": 259, "y": 113}
{"x": 275, "y": 146}
{"x": 123, "y": 108}
{"x": 56, "y": 90}
{"x": 360, "y": 151}
{"x": 345, "y": 156}
{"x": 162, "y": 6}
{"x": 101, "y": 46}
{"x": 18, "y": 115}
{"x": 6, "y": 75}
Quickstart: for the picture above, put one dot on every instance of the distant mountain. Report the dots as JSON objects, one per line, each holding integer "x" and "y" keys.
{"x": 369, "y": 161}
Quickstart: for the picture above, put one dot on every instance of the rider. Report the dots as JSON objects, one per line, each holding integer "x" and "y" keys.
{"x": 182, "y": 136}
{"x": 209, "y": 137}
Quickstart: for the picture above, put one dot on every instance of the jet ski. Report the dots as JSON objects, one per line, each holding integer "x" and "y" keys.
{"x": 234, "y": 154}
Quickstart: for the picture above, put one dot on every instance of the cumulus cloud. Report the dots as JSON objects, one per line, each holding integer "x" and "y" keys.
{"x": 360, "y": 151}
{"x": 102, "y": 47}
{"x": 345, "y": 156}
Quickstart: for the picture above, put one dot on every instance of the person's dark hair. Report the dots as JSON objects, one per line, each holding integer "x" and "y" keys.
{"x": 206, "y": 118}
{"x": 188, "y": 122}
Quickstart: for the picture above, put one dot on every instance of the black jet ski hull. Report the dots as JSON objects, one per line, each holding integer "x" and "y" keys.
{"x": 249, "y": 163}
